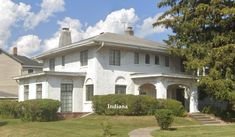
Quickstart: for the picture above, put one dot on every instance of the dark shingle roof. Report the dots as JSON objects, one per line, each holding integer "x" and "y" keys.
{"x": 22, "y": 59}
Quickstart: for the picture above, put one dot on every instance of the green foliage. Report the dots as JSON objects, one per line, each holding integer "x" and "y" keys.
{"x": 137, "y": 105}
{"x": 204, "y": 35}
{"x": 9, "y": 109}
{"x": 175, "y": 106}
{"x": 39, "y": 110}
{"x": 165, "y": 118}
{"x": 106, "y": 127}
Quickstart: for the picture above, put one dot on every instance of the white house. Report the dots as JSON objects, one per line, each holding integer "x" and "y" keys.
{"x": 108, "y": 64}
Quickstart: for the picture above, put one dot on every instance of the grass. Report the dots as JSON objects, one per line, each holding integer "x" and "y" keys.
{"x": 198, "y": 131}
{"x": 85, "y": 127}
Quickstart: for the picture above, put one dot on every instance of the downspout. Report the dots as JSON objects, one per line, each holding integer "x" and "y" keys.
{"x": 102, "y": 45}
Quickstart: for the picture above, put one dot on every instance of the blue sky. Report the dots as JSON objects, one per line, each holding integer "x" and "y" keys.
{"x": 36, "y": 24}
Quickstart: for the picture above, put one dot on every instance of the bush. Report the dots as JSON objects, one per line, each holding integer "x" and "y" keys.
{"x": 136, "y": 105}
{"x": 164, "y": 117}
{"x": 175, "y": 106}
{"x": 9, "y": 109}
{"x": 39, "y": 110}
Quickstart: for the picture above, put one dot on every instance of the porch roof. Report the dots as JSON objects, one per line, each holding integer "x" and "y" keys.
{"x": 167, "y": 75}
{"x": 54, "y": 73}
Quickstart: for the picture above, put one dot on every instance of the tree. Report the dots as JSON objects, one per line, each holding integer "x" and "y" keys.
{"x": 204, "y": 36}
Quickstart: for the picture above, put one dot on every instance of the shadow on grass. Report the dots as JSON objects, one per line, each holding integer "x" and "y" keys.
{"x": 172, "y": 129}
{"x": 2, "y": 123}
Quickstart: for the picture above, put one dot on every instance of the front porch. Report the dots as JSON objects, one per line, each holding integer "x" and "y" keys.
{"x": 174, "y": 86}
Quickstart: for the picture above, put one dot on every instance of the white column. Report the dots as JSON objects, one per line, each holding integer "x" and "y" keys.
{"x": 193, "y": 103}
{"x": 161, "y": 90}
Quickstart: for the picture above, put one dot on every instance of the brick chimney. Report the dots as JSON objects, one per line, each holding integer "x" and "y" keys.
{"x": 65, "y": 37}
{"x": 129, "y": 31}
{"x": 15, "y": 51}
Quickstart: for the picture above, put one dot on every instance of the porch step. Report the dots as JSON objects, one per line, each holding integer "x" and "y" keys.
{"x": 206, "y": 119}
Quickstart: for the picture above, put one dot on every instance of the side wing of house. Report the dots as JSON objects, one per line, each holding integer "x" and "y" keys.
{"x": 9, "y": 68}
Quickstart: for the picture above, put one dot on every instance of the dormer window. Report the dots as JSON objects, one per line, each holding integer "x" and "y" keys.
{"x": 84, "y": 57}
{"x": 147, "y": 59}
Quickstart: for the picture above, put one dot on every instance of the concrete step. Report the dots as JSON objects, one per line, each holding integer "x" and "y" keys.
{"x": 205, "y": 119}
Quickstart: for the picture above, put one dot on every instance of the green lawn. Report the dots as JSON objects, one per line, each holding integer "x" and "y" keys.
{"x": 85, "y": 127}
{"x": 200, "y": 131}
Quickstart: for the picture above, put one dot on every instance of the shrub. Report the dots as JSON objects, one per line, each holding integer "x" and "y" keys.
{"x": 9, "y": 109}
{"x": 136, "y": 105}
{"x": 40, "y": 110}
{"x": 175, "y": 106}
{"x": 164, "y": 117}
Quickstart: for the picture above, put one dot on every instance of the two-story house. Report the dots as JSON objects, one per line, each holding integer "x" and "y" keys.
{"x": 108, "y": 64}
{"x": 12, "y": 65}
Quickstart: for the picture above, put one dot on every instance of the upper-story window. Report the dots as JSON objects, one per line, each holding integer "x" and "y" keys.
{"x": 114, "y": 57}
{"x": 52, "y": 64}
{"x": 157, "y": 60}
{"x": 182, "y": 68}
{"x": 84, "y": 57}
{"x": 147, "y": 59}
{"x": 30, "y": 71}
{"x": 136, "y": 58}
{"x": 167, "y": 61}
{"x": 63, "y": 61}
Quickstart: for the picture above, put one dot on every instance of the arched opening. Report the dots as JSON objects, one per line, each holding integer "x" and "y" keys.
{"x": 148, "y": 89}
{"x": 179, "y": 93}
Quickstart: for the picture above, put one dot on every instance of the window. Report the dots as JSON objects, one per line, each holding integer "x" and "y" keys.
{"x": 147, "y": 59}
{"x": 39, "y": 91}
{"x": 157, "y": 61}
{"x": 30, "y": 71}
{"x": 167, "y": 60}
{"x": 89, "y": 92}
{"x": 136, "y": 58}
{"x": 52, "y": 64}
{"x": 84, "y": 57}
{"x": 182, "y": 68}
{"x": 114, "y": 57}
{"x": 120, "y": 89}
{"x": 66, "y": 97}
{"x": 63, "y": 60}
{"x": 26, "y": 92}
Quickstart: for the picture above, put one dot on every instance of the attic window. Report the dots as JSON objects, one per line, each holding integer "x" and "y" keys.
{"x": 30, "y": 71}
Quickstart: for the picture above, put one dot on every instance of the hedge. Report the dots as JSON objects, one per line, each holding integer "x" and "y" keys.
{"x": 9, "y": 109}
{"x": 136, "y": 105}
{"x": 39, "y": 110}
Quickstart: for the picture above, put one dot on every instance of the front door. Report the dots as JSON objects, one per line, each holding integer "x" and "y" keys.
{"x": 180, "y": 95}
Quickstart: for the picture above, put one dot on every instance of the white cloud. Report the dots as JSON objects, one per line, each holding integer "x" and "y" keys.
{"x": 13, "y": 13}
{"x": 27, "y": 45}
{"x": 10, "y": 14}
{"x": 146, "y": 28}
{"x": 48, "y": 8}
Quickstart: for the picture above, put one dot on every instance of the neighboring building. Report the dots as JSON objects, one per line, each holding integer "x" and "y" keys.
{"x": 108, "y": 64}
{"x": 12, "y": 65}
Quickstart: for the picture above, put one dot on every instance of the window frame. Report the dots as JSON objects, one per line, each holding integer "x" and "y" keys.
{"x": 147, "y": 59}
{"x": 167, "y": 61}
{"x": 136, "y": 58}
{"x": 120, "y": 86}
{"x": 63, "y": 61}
{"x": 115, "y": 57}
{"x": 157, "y": 60}
{"x": 84, "y": 58}
{"x": 66, "y": 93}
{"x": 26, "y": 92}
{"x": 52, "y": 64}
{"x": 38, "y": 92}
{"x": 89, "y": 93}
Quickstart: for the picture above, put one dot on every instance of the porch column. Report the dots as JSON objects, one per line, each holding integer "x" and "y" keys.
{"x": 193, "y": 104}
{"x": 161, "y": 90}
